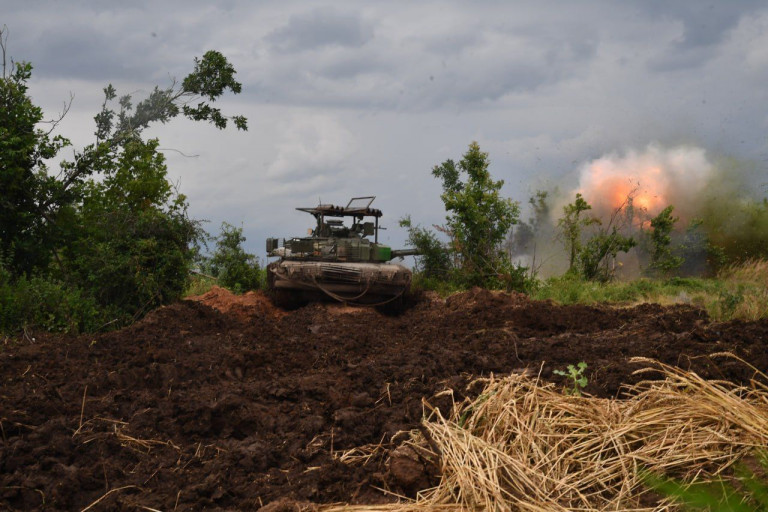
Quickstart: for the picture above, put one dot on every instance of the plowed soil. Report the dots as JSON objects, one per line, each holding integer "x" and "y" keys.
{"x": 224, "y": 402}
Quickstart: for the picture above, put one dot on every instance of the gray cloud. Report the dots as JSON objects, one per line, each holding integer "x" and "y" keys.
{"x": 703, "y": 23}
{"x": 703, "y": 26}
{"x": 319, "y": 28}
{"x": 415, "y": 71}
{"x": 86, "y": 53}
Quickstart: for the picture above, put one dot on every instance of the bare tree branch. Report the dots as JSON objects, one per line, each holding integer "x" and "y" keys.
{"x": 55, "y": 121}
{"x": 179, "y": 152}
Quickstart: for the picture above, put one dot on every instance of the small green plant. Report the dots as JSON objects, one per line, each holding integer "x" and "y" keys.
{"x": 577, "y": 379}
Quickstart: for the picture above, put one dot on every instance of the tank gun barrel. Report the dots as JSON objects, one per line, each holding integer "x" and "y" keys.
{"x": 399, "y": 253}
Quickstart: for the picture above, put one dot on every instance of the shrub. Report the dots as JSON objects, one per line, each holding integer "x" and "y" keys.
{"x": 479, "y": 218}
{"x": 47, "y": 304}
{"x": 235, "y": 269}
{"x": 434, "y": 259}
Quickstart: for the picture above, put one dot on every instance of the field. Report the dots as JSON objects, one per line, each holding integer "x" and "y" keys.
{"x": 224, "y": 402}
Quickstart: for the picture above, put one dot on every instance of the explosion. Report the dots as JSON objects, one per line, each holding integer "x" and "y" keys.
{"x": 723, "y": 197}
{"x": 654, "y": 178}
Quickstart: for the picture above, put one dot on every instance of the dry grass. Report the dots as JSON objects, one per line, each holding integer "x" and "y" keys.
{"x": 750, "y": 281}
{"x": 750, "y": 271}
{"x": 523, "y": 445}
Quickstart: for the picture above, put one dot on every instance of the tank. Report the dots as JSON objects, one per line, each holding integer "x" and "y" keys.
{"x": 340, "y": 259}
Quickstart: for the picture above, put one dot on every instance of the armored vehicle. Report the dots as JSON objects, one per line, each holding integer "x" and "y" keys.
{"x": 338, "y": 261}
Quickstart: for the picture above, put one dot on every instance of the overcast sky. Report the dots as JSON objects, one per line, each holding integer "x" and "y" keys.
{"x": 364, "y": 98}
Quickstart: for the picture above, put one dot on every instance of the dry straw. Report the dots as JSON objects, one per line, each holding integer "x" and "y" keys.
{"x": 524, "y": 445}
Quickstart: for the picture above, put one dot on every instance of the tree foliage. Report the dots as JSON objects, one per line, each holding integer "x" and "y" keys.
{"x": 479, "y": 218}
{"x": 25, "y": 225}
{"x": 592, "y": 259}
{"x": 211, "y": 78}
{"x": 524, "y": 236}
{"x": 433, "y": 260}
{"x": 571, "y": 225}
{"x": 600, "y": 250}
{"x": 108, "y": 225}
{"x": 131, "y": 242}
{"x": 235, "y": 269}
{"x": 663, "y": 260}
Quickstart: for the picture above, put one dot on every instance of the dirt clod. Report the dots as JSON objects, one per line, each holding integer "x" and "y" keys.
{"x": 407, "y": 470}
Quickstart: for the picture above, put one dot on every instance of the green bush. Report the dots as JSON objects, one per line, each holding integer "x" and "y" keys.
{"x": 664, "y": 261}
{"x": 441, "y": 285}
{"x": 513, "y": 277}
{"x": 434, "y": 258}
{"x": 235, "y": 269}
{"x": 46, "y": 304}
{"x": 199, "y": 285}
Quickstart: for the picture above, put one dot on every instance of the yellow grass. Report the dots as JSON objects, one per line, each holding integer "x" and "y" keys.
{"x": 751, "y": 280}
{"x": 751, "y": 271}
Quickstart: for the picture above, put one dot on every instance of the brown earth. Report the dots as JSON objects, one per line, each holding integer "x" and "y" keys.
{"x": 224, "y": 402}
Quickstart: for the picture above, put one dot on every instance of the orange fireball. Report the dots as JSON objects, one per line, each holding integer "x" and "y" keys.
{"x": 609, "y": 187}
{"x": 654, "y": 178}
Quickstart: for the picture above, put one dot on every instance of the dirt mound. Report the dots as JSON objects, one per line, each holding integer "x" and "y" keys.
{"x": 224, "y": 402}
{"x": 240, "y": 306}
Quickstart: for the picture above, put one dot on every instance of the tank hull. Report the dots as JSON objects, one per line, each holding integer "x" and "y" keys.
{"x": 354, "y": 283}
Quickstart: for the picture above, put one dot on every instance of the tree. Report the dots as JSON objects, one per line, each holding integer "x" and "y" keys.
{"x": 601, "y": 248}
{"x": 132, "y": 240}
{"x": 35, "y": 206}
{"x": 479, "y": 218}
{"x": 212, "y": 77}
{"x": 571, "y": 225}
{"x": 591, "y": 259}
{"x": 235, "y": 269}
{"x": 663, "y": 260}
{"x": 523, "y": 236}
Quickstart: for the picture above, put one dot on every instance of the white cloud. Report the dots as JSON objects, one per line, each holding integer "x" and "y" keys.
{"x": 311, "y": 145}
